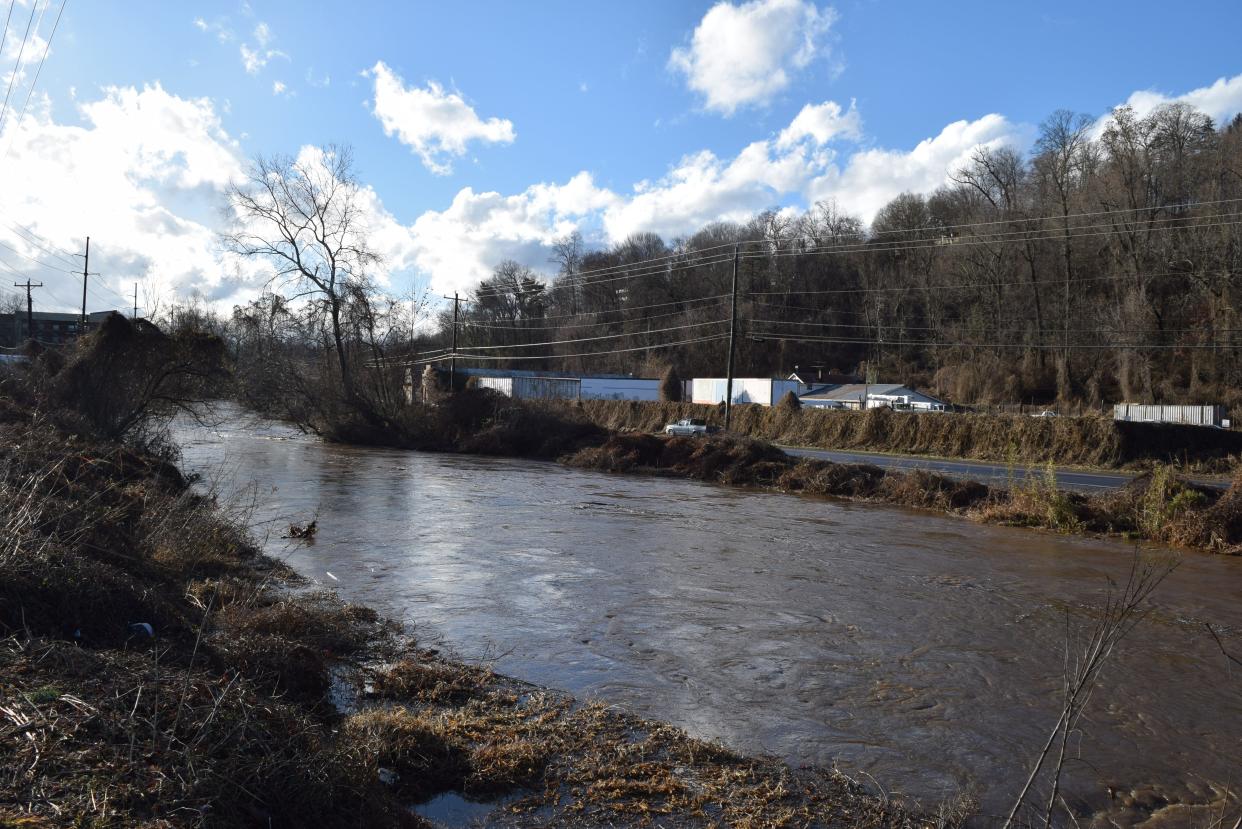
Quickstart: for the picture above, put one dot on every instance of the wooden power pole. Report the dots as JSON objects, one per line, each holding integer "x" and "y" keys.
{"x": 453, "y": 354}
{"x": 86, "y": 261}
{"x": 732, "y": 327}
{"x": 29, "y": 305}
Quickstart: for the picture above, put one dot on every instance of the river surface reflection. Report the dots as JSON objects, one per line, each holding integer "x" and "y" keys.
{"x": 925, "y": 652}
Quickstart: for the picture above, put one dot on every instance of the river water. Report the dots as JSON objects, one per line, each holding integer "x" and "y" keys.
{"x": 921, "y": 654}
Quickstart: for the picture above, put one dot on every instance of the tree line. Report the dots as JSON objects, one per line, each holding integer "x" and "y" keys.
{"x": 1105, "y": 264}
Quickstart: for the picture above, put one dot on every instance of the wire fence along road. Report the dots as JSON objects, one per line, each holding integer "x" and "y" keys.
{"x": 992, "y": 474}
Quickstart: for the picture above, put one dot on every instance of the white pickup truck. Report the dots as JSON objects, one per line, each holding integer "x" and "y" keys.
{"x": 690, "y": 427}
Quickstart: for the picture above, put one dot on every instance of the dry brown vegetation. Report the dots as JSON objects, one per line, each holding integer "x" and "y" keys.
{"x": 156, "y": 670}
{"x": 1156, "y": 506}
{"x": 1075, "y": 441}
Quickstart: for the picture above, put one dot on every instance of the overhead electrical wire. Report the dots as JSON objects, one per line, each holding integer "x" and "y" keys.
{"x": 935, "y": 228}
{"x": 467, "y": 356}
{"x": 666, "y": 264}
{"x": 470, "y": 324}
{"x": 764, "y": 335}
{"x": 981, "y": 286}
{"x": 18, "y": 67}
{"x": 601, "y": 337}
{"x": 39, "y": 71}
{"x": 629, "y": 308}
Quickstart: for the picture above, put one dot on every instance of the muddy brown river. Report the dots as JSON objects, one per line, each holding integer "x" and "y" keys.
{"x": 921, "y": 654}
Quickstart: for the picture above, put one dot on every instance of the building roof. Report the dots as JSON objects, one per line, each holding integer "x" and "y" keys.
{"x": 470, "y": 371}
{"x": 855, "y": 391}
{"x": 817, "y": 377}
{"x": 61, "y": 316}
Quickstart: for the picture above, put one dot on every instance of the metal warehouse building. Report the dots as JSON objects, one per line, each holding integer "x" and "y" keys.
{"x": 762, "y": 390}
{"x": 546, "y": 385}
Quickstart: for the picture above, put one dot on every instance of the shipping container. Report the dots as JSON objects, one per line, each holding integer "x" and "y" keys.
{"x": 619, "y": 388}
{"x": 761, "y": 390}
{"x": 534, "y": 388}
{"x": 1190, "y": 415}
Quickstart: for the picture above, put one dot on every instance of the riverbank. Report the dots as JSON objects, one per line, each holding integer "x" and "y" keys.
{"x": 1087, "y": 442}
{"x": 1157, "y": 506}
{"x": 156, "y": 668}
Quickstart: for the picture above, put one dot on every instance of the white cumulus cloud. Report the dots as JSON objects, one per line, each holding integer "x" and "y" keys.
{"x": 1221, "y": 100}
{"x": 433, "y": 122}
{"x": 141, "y": 174}
{"x": 461, "y": 245}
{"x": 873, "y": 177}
{"x": 743, "y": 55}
{"x": 822, "y": 123}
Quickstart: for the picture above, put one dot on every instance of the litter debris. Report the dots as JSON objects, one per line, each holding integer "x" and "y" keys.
{"x": 329, "y": 572}
{"x": 142, "y": 630}
{"x": 299, "y": 531}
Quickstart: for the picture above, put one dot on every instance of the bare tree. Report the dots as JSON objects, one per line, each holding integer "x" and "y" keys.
{"x": 305, "y": 217}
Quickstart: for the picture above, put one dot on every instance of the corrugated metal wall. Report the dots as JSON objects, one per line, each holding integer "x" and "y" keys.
{"x": 1148, "y": 413}
{"x": 745, "y": 389}
{"x": 534, "y": 388}
{"x": 613, "y": 388}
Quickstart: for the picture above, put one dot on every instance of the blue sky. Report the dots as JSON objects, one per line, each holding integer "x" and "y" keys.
{"x": 487, "y": 129}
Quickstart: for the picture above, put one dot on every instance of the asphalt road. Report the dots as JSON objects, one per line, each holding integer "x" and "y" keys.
{"x": 993, "y": 474}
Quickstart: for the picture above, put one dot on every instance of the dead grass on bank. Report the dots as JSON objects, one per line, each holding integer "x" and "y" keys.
{"x": 593, "y": 765}
{"x": 221, "y": 718}
{"x": 1094, "y": 441}
{"x": 1157, "y": 506}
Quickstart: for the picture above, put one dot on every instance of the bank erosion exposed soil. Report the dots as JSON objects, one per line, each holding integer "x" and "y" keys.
{"x": 157, "y": 670}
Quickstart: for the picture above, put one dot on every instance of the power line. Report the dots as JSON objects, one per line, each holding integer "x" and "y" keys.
{"x": 468, "y": 356}
{"x": 968, "y": 241}
{"x": 628, "y": 308}
{"x": 1062, "y": 218}
{"x": 984, "y": 286}
{"x": 602, "y": 337}
{"x": 18, "y": 67}
{"x": 646, "y": 264}
{"x": 5, "y": 37}
{"x": 599, "y": 324}
{"x": 25, "y": 235}
{"x": 30, "y": 93}
{"x": 766, "y": 335}
{"x": 28, "y": 258}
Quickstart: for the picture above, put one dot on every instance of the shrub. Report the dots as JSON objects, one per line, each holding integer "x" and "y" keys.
{"x": 670, "y": 386}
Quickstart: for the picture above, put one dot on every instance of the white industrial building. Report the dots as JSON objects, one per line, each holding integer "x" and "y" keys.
{"x": 762, "y": 390}
{"x": 547, "y": 385}
{"x": 1190, "y": 415}
{"x": 873, "y": 396}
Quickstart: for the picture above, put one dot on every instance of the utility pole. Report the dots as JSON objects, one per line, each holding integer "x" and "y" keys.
{"x": 732, "y": 327}
{"x": 29, "y": 305}
{"x": 135, "y": 316}
{"x": 86, "y": 261}
{"x": 453, "y": 354}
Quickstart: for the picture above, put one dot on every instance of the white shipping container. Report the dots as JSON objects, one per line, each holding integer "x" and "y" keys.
{"x": 533, "y": 388}
{"x": 1155, "y": 413}
{"x": 619, "y": 388}
{"x": 761, "y": 390}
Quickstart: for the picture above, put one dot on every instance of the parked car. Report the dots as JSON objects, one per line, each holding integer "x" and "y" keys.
{"x": 690, "y": 427}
